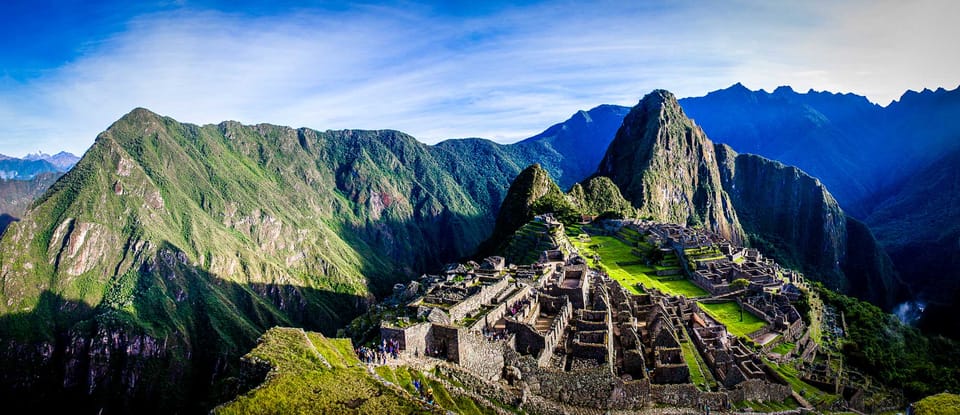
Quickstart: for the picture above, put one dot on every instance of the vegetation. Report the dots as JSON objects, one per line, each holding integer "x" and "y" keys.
{"x": 700, "y": 373}
{"x": 813, "y": 395}
{"x": 895, "y": 353}
{"x": 618, "y": 261}
{"x": 302, "y": 382}
{"x": 729, "y": 314}
{"x": 939, "y": 404}
{"x": 599, "y": 197}
{"x": 783, "y": 348}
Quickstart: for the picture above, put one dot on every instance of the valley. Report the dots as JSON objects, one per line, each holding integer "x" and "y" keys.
{"x": 219, "y": 233}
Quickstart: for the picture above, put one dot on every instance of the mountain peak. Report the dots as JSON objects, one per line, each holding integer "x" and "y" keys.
{"x": 138, "y": 115}
{"x": 658, "y": 98}
{"x": 784, "y": 90}
{"x": 649, "y": 159}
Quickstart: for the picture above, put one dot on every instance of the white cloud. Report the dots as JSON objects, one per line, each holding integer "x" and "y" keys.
{"x": 505, "y": 76}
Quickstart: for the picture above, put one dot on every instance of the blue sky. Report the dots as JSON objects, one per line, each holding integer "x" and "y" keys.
{"x": 498, "y": 70}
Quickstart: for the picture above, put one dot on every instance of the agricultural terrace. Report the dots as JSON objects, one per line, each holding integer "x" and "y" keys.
{"x": 728, "y": 314}
{"x": 618, "y": 260}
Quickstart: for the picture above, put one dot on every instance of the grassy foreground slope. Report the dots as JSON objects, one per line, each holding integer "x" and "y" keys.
{"x": 310, "y": 373}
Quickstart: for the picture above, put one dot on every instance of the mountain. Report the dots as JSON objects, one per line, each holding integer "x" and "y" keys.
{"x": 571, "y": 150}
{"x": 664, "y": 165}
{"x": 599, "y": 196}
{"x": 857, "y": 148}
{"x": 147, "y": 269}
{"x": 919, "y": 225}
{"x": 17, "y": 195}
{"x": 150, "y": 266}
{"x": 137, "y": 280}
{"x": 63, "y": 160}
{"x": 33, "y": 164}
{"x": 668, "y": 168}
{"x": 24, "y": 180}
{"x": 17, "y": 169}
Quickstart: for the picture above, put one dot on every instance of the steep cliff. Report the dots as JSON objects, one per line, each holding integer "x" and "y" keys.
{"x": 666, "y": 167}
{"x": 792, "y": 217}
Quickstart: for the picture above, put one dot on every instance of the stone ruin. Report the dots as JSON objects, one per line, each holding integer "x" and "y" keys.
{"x": 561, "y": 326}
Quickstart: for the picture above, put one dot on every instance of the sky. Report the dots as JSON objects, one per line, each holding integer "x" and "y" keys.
{"x": 498, "y": 70}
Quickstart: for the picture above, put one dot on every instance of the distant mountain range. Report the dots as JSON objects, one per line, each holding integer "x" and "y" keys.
{"x": 23, "y": 180}
{"x": 33, "y": 164}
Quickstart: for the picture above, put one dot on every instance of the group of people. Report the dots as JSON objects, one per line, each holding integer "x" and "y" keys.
{"x": 440, "y": 352}
{"x": 378, "y": 354}
{"x": 494, "y": 334}
{"x": 518, "y": 306}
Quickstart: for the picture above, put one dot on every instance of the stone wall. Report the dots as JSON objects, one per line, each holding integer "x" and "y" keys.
{"x": 687, "y": 395}
{"x": 634, "y": 364}
{"x": 759, "y": 390}
{"x": 412, "y": 340}
{"x": 483, "y": 357}
{"x": 671, "y": 374}
{"x": 471, "y": 304}
{"x": 527, "y": 340}
{"x": 555, "y": 334}
{"x": 446, "y": 338}
{"x": 494, "y": 315}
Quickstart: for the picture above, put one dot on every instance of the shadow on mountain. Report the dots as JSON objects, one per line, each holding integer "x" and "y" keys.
{"x": 412, "y": 247}
{"x": 5, "y": 220}
{"x": 166, "y": 338}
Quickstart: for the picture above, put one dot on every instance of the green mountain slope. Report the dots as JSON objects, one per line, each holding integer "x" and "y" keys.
{"x": 172, "y": 247}
{"x": 598, "y": 196}
{"x": 919, "y": 225}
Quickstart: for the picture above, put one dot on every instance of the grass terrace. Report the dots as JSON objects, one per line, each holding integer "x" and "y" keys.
{"x": 700, "y": 373}
{"x": 618, "y": 260}
{"x": 728, "y": 313}
{"x": 813, "y": 395}
{"x": 783, "y": 348}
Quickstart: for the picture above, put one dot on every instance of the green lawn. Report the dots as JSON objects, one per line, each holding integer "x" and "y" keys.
{"x": 728, "y": 314}
{"x": 613, "y": 251}
{"x": 783, "y": 348}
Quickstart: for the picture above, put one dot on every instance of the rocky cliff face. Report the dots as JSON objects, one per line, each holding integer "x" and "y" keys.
{"x": 666, "y": 167}
{"x": 671, "y": 171}
{"x": 784, "y": 210}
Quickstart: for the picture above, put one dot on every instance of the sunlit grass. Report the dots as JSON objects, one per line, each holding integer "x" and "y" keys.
{"x": 613, "y": 252}
{"x": 728, "y": 314}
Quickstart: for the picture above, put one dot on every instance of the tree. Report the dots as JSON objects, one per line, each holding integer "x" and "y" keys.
{"x": 740, "y": 284}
